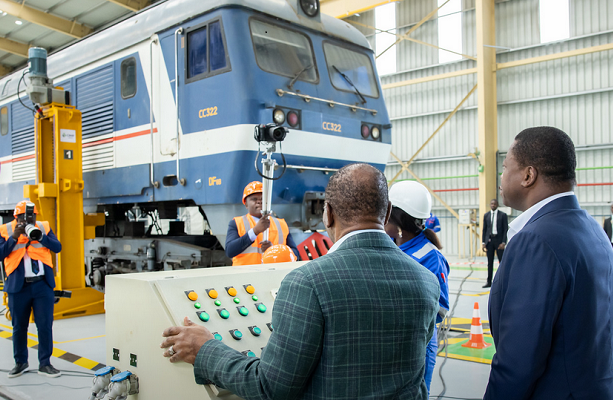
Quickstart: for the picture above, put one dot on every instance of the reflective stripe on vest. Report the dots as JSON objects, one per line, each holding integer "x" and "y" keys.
{"x": 277, "y": 233}
{"x": 35, "y": 250}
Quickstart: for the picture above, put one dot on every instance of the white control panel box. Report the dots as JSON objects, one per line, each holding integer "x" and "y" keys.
{"x": 234, "y": 303}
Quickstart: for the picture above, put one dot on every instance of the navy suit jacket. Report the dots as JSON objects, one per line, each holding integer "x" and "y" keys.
{"x": 14, "y": 282}
{"x": 551, "y": 309}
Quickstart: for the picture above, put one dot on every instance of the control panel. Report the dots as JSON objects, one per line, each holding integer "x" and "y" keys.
{"x": 234, "y": 303}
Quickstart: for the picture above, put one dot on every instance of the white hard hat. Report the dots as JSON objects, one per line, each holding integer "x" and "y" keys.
{"x": 411, "y": 197}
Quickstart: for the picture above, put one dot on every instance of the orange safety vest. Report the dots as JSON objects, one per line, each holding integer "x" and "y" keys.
{"x": 253, "y": 254}
{"x": 35, "y": 250}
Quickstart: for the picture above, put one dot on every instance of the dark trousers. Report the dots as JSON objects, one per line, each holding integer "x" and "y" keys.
{"x": 492, "y": 247}
{"x": 36, "y": 296}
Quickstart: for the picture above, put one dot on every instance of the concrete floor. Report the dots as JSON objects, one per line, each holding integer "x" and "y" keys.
{"x": 84, "y": 337}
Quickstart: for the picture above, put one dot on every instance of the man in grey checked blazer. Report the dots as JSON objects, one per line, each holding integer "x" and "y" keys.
{"x": 353, "y": 324}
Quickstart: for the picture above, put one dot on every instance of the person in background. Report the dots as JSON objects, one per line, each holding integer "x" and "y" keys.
{"x": 494, "y": 237}
{"x": 433, "y": 223}
{"x": 30, "y": 282}
{"x": 352, "y": 324}
{"x": 607, "y": 226}
{"x": 279, "y": 253}
{"x": 550, "y": 307}
{"x": 411, "y": 204}
{"x": 244, "y": 240}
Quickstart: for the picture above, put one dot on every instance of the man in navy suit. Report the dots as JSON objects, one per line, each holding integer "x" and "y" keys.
{"x": 494, "y": 237}
{"x": 30, "y": 281}
{"x": 550, "y": 307}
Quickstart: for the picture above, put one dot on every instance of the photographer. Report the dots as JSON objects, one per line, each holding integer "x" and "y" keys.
{"x": 244, "y": 240}
{"x": 25, "y": 250}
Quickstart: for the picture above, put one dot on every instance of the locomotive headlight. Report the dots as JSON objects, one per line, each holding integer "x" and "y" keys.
{"x": 375, "y": 132}
{"x": 278, "y": 116}
{"x": 365, "y": 131}
{"x": 292, "y": 119}
{"x": 310, "y": 7}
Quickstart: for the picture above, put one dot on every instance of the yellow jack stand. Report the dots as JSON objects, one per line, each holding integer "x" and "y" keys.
{"x": 58, "y": 196}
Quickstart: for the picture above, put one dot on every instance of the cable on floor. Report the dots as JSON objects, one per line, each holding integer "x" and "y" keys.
{"x": 443, "y": 332}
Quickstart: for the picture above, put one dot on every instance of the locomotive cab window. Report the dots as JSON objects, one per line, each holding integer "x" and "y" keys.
{"x": 283, "y": 52}
{"x": 206, "y": 54}
{"x": 355, "y": 66}
{"x": 4, "y": 121}
{"x": 128, "y": 78}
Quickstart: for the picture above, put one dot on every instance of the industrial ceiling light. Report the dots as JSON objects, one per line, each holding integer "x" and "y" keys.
{"x": 18, "y": 22}
{"x": 310, "y": 7}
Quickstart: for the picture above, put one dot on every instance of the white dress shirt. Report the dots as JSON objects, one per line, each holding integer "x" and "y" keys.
{"x": 251, "y": 233}
{"x": 353, "y": 233}
{"x": 27, "y": 263}
{"x": 521, "y": 221}
{"x": 494, "y": 222}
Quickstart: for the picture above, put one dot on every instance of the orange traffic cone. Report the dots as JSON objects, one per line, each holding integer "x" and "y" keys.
{"x": 476, "y": 332}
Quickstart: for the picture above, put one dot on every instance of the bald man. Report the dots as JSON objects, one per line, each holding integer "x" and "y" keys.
{"x": 352, "y": 324}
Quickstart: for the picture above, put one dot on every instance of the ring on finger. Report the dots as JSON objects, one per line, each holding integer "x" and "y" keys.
{"x": 171, "y": 351}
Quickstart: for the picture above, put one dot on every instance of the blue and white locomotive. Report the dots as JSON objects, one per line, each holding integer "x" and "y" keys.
{"x": 170, "y": 98}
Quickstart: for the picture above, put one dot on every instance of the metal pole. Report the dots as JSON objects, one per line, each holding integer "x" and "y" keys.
{"x": 269, "y": 168}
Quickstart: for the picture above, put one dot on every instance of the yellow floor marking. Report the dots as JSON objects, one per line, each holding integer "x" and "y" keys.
{"x": 77, "y": 340}
{"x": 455, "y": 340}
{"x": 32, "y": 343}
{"x": 58, "y": 353}
{"x": 85, "y": 363}
{"x": 460, "y": 321}
{"x": 54, "y": 342}
{"x": 5, "y": 334}
{"x": 467, "y": 358}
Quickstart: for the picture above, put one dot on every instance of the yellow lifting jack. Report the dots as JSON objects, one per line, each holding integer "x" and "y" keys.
{"x": 58, "y": 195}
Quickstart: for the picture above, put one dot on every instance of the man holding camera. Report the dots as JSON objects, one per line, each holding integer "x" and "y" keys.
{"x": 25, "y": 250}
{"x": 244, "y": 240}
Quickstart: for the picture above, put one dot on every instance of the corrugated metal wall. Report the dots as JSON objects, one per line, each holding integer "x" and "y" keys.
{"x": 573, "y": 94}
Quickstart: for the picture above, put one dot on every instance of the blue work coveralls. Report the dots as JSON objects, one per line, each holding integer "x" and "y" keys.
{"x": 424, "y": 252}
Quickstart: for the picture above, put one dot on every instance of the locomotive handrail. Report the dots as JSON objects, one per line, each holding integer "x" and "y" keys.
{"x": 331, "y": 103}
{"x": 177, "y": 33}
{"x": 302, "y": 167}
{"x": 151, "y": 178}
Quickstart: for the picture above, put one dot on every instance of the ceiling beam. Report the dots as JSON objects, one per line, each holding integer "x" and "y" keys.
{"x": 347, "y": 8}
{"x": 132, "y": 5}
{"x": 53, "y": 22}
{"x": 17, "y": 48}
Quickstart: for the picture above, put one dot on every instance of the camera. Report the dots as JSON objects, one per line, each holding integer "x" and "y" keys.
{"x": 270, "y": 133}
{"x": 32, "y": 230}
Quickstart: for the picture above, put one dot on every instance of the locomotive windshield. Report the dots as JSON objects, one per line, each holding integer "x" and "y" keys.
{"x": 353, "y": 65}
{"x": 283, "y": 52}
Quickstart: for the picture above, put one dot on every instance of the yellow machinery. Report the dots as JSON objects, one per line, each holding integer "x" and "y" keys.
{"x": 58, "y": 193}
{"x": 59, "y": 198}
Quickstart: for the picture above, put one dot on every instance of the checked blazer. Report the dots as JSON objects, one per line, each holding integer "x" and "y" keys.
{"x": 353, "y": 324}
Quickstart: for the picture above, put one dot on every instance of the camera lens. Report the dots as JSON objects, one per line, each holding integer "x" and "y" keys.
{"x": 278, "y": 134}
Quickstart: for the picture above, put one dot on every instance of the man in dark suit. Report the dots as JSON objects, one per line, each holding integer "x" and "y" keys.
{"x": 30, "y": 282}
{"x": 607, "y": 226}
{"x": 353, "y": 324}
{"x": 494, "y": 237}
{"x": 550, "y": 304}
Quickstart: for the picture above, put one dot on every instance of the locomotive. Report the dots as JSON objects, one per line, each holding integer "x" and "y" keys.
{"x": 169, "y": 100}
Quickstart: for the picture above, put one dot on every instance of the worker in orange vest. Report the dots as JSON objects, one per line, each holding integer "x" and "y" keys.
{"x": 244, "y": 240}
{"x": 30, "y": 281}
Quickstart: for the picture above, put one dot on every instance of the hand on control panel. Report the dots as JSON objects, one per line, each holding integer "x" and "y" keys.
{"x": 186, "y": 341}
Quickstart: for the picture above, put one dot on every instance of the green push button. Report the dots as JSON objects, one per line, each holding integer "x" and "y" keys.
{"x": 254, "y": 297}
{"x": 204, "y": 316}
{"x": 243, "y": 311}
{"x": 250, "y": 354}
{"x": 217, "y": 303}
{"x": 237, "y": 300}
{"x": 225, "y": 314}
{"x": 257, "y": 330}
{"x": 261, "y": 308}
{"x": 197, "y": 305}
{"x": 236, "y": 334}
{"x": 217, "y": 336}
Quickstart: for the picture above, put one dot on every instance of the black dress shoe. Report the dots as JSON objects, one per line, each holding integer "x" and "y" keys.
{"x": 487, "y": 285}
{"x": 19, "y": 369}
{"x": 49, "y": 371}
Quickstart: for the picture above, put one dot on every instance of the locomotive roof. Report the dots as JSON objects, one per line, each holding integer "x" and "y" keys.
{"x": 162, "y": 16}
